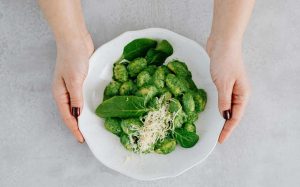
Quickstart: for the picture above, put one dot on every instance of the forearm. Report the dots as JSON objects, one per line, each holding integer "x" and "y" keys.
{"x": 230, "y": 20}
{"x": 65, "y": 19}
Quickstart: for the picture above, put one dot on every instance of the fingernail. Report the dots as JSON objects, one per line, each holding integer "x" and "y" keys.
{"x": 75, "y": 111}
{"x": 81, "y": 140}
{"x": 227, "y": 114}
{"x": 221, "y": 138}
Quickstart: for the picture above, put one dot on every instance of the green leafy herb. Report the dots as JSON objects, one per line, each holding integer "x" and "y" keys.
{"x": 122, "y": 107}
{"x": 165, "y": 46}
{"x": 137, "y": 48}
{"x": 156, "y": 57}
{"x": 186, "y": 139}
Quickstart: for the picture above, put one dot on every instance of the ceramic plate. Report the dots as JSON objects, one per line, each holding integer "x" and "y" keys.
{"x": 107, "y": 148}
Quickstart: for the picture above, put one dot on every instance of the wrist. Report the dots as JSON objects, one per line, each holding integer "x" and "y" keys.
{"x": 71, "y": 40}
{"x": 82, "y": 44}
{"x": 216, "y": 44}
{"x": 225, "y": 41}
{"x": 71, "y": 37}
{"x": 226, "y": 36}
{"x": 75, "y": 44}
{"x": 68, "y": 40}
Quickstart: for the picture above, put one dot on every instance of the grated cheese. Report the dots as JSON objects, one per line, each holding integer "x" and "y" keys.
{"x": 157, "y": 123}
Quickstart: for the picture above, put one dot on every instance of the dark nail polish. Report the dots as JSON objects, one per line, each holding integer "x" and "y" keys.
{"x": 75, "y": 111}
{"x": 227, "y": 114}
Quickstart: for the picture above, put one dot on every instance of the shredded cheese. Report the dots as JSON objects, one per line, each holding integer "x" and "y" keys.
{"x": 157, "y": 123}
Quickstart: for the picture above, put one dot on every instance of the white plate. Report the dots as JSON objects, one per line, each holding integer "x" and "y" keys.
{"x": 107, "y": 148}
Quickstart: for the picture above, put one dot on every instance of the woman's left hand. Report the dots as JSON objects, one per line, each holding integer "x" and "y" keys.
{"x": 229, "y": 75}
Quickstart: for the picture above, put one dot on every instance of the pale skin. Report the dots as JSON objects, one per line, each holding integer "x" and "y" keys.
{"x": 224, "y": 47}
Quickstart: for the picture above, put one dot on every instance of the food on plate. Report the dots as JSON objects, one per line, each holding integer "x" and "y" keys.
{"x": 150, "y": 106}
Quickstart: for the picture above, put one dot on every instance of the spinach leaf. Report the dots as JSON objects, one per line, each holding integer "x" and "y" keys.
{"x": 138, "y": 48}
{"x": 122, "y": 107}
{"x": 186, "y": 139}
{"x": 165, "y": 46}
{"x": 156, "y": 57}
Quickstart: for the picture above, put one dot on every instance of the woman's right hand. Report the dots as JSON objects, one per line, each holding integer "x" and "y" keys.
{"x": 70, "y": 72}
{"x": 229, "y": 75}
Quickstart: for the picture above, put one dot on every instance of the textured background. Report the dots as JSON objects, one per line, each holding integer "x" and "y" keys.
{"x": 36, "y": 149}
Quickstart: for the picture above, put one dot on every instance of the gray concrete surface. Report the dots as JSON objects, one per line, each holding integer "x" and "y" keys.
{"x": 36, "y": 149}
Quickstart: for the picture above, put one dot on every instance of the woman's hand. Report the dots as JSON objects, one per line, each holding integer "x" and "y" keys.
{"x": 70, "y": 71}
{"x": 229, "y": 75}
{"x": 224, "y": 47}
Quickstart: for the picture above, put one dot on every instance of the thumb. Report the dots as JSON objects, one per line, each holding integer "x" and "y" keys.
{"x": 76, "y": 99}
{"x": 224, "y": 100}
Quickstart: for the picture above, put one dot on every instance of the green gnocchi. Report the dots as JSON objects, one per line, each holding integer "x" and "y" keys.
{"x": 152, "y": 106}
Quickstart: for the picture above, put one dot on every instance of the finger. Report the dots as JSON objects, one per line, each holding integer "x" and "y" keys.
{"x": 230, "y": 124}
{"x": 239, "y": 101}
{"x": 62, "y": 100}
{"x": 224, "y": 98}
{"x": 74, "y": 88}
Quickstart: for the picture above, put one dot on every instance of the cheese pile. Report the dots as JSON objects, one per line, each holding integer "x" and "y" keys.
{"x": 156, "y": 125}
